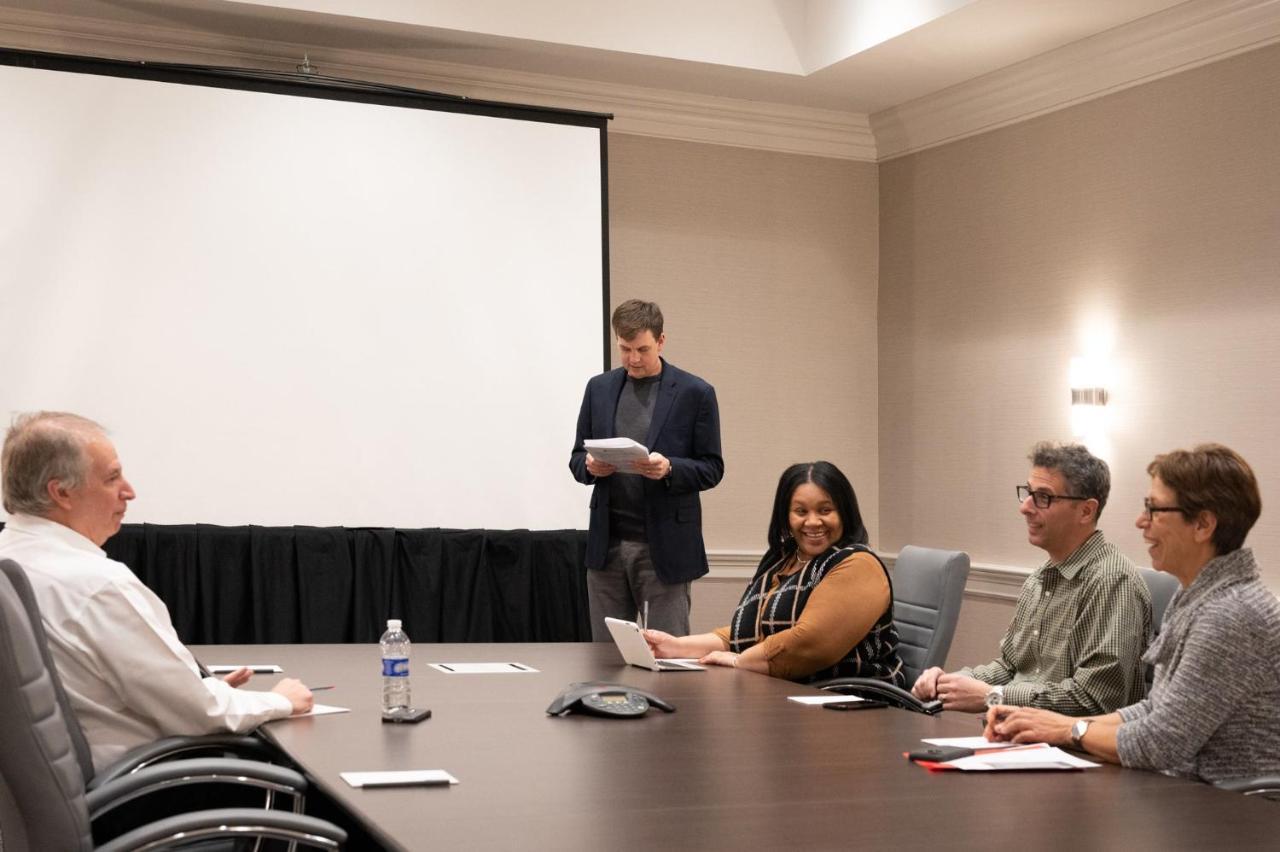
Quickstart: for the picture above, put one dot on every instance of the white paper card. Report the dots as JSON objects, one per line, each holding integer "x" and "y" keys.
{"x": 975, "y": 743}
{"x": 1040, "y": 756}
{"x": 256, "y": 668}
{"x": 818, "y": 700}
{"x": 320, "y": 710}
{"x": 483, "y": 668}
{"x": 405, "y": 778}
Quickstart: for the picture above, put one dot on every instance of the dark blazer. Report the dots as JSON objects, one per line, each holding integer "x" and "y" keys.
{"x": 686, "y": 429}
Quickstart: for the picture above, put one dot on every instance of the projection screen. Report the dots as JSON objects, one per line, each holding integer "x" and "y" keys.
{"x": 292, "y": 307}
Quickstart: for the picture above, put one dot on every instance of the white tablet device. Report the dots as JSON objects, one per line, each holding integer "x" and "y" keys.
{"x": 630, "y": 641}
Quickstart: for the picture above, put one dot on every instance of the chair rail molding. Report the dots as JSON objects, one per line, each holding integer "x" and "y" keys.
{"x": 986, "y": 580}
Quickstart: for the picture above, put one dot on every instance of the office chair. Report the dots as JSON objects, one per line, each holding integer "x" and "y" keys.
{"x": 1161, "y": 586}
{"x": 928, "y": 590}
{"x": 50, "y": 808}
{"x": 1266, "y": 786}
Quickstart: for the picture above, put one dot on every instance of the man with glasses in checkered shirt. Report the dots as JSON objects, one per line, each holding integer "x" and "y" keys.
{"x": 1083, "y": 618}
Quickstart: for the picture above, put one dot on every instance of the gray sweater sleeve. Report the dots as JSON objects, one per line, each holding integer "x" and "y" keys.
{"x": 1212, "y": 677}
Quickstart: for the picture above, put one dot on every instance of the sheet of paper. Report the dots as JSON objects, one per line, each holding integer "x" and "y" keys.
{"x": 256, "y": 668}
{"x": 619, "y": 452}
{"x": 404, "y": 778}
{"x": 319, "y": 710}
{"x": 483, "y": 668}
{"x": 1028, "y": 757}
{"x": 974, "y": 743}
{"x": 818, "y": 700}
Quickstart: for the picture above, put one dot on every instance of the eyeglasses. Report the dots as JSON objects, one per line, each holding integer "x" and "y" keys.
{"x": 1043, "y": 499}
{"x": 1152, "y": 510}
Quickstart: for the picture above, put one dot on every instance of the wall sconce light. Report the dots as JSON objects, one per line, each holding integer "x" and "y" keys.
{"x": 1089, "y": 396}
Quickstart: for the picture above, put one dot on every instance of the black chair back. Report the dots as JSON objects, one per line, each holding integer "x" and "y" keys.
{"x": 38, "y": 760}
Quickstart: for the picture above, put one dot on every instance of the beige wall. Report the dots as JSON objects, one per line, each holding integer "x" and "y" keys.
{"x": 765, "y": 267}
{"x": 1152, "y": 217}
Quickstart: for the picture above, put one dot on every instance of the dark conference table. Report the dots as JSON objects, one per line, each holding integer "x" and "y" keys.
{"x": 737, "y": 766}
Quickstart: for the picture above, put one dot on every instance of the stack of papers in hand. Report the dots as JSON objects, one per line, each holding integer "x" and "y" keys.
{"x": 619, "y": 452}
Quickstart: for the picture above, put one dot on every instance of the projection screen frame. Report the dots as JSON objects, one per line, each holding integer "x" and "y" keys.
{"x": 351, "y": 91}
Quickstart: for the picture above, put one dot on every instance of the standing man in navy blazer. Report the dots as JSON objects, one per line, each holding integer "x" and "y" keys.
{"x": 645, "y": 543}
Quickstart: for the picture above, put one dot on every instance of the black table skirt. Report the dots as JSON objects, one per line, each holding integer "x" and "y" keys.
{"x": 251, "y": 585}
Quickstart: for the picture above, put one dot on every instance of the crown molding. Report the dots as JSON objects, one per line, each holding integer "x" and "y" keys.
{"x": 1184, "y": 37}
{"x": 636, "y": 110}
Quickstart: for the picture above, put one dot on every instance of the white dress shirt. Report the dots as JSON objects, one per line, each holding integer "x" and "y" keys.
{"x": 129, "y": 677}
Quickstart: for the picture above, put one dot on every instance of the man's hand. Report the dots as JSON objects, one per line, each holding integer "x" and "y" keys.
{"x": 1027, "y": 725}
{"x": 926, "y": 686}
{"x": 239, "y": 677}
{"x": 297, "y": 693}
{"x": 960, "y": 692}
{"x": 599, "y": 469}
{"x": 655, "y": 468}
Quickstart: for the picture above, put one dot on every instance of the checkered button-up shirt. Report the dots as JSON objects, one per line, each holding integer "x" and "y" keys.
{"x": 1078, "y": 633}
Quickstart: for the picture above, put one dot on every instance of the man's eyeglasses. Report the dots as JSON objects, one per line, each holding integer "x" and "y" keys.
{"x": 1152, "y": 510}
{"x": 1043, "y": 499}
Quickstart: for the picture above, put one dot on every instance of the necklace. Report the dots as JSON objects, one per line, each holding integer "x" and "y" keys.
{"x": 802, "y": 564}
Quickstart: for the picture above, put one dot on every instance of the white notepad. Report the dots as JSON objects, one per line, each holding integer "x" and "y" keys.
{"x": 404, "y": 778}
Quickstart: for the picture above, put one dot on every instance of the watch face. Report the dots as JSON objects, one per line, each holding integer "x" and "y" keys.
{"x": 994, "y": 697}
{"x": 1078, "y": 729}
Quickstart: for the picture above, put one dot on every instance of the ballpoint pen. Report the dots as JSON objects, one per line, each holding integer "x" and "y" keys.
{"x": 645, "y": 624}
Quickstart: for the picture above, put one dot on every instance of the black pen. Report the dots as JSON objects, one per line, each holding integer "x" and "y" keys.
{"x": 319, "y": 688}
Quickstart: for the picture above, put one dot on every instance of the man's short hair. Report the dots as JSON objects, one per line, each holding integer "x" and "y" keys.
{"x": 42, "y": 446}
{"x": 634, "y": 316}
{"x": 1214, "y": 478}
{"x": 1086, "y": 474}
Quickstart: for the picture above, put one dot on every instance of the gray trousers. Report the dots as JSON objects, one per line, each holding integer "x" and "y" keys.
{"x": 627, "y": 581}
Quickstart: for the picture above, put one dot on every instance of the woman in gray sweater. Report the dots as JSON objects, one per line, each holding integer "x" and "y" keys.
{"x": 1214, "y": 709}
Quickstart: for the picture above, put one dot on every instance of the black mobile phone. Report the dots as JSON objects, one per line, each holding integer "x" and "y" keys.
{"x": 865, "y": 704}
{"x": 939, "y": 754}
{"x": 406, "y": 715}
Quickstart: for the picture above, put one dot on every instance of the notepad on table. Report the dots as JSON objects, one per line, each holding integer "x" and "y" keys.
{"x": 403, "y": 778}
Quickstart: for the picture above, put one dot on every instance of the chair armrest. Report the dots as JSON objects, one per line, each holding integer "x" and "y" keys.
{"x": 1267, "y": 786}
{"x": 868, "y": 687}
{"x": 236, "y": 745}
{"x": 231, "y": 823}
{"x": 209, "y": 770}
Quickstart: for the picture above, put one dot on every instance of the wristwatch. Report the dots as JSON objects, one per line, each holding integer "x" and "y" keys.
{"x": 995, "y": 695}
{"x": 1077, "y": 732}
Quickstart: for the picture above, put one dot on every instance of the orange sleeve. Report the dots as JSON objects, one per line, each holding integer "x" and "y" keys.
{"x": 840, "y": 611}
{"x": 722, "y": 633}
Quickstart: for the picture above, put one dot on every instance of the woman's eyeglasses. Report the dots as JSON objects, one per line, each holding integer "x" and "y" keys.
{"x": 1152, "y": 510}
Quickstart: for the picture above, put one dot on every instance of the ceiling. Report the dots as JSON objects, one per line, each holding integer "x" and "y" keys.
{"x": 860, "y": 56}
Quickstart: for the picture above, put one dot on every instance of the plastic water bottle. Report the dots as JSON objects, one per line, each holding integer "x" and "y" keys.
{"x": 395, "y": 666}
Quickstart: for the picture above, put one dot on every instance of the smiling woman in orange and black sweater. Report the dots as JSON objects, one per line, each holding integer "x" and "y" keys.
{"x": 821, "y": 603}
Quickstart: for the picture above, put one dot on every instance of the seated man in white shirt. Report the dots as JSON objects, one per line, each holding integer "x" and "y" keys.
{"x": 130, "y": 679}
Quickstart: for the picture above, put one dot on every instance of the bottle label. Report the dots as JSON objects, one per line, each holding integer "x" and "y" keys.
{"x": 395, "y": 666}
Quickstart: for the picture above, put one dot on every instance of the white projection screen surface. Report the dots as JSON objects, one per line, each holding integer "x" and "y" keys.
{"x": 301, "y": 310}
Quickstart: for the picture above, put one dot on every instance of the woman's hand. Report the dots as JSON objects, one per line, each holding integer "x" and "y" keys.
{"x": 720, "y": 658}
{"x": 664, "y": 645}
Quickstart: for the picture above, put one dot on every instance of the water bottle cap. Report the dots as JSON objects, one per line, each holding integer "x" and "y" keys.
{"x": 393, "y": 624}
